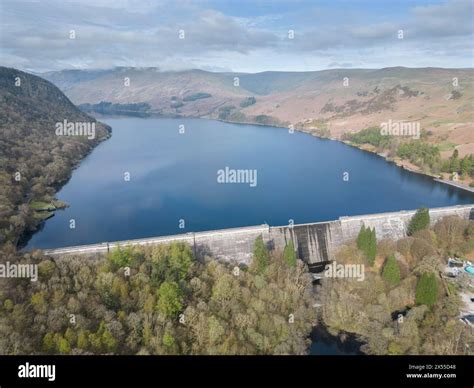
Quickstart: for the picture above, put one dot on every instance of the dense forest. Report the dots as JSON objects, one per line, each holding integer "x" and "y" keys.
{"x": 159, "y": 300}
{"x": 404, "y": 279}
{"x": 34, "y": 161}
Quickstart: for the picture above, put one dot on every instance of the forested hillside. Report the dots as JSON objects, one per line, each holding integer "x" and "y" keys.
{"x": 405, "y": 305}
{"x": 158, "y": 300}
{"x": 34, "y": 161}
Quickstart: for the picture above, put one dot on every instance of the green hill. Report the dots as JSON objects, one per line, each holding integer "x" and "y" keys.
{"x": 34, "y": 160}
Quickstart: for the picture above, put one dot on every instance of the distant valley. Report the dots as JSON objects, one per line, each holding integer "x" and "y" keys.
{"x": 328, "y": 103}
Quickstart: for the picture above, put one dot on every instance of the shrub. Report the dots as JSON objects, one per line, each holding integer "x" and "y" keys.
{"x": 247, "y": 102}
{"x": 225, "y": 112}
{"x": 263, "y": 119}
{"x": 196, "y": 96}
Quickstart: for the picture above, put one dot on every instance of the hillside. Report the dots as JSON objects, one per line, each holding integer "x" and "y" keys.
{"x": 34, "y": 160}
{"x": 312, "y": 101}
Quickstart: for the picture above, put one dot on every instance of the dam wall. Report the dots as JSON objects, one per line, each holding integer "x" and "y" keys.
{"x": 314, "y": 242}
{"x": 392, "y": 225}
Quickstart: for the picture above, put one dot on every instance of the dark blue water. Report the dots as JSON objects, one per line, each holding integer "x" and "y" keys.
{"x": 174, "y": 176}
{"x": 325, "y": 344}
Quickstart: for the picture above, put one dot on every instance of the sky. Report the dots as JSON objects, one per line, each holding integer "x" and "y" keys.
{"x": 235, "y": 35}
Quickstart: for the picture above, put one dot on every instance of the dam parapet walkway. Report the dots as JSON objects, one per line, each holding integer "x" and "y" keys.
{"x": 315, "y": 242}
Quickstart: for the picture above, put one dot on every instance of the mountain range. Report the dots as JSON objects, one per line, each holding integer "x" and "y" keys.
{"x": 334, "y": 101}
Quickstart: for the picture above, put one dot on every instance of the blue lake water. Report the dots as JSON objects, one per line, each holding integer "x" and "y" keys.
{"x": 173, "y": 177}
{"x": 325, "y": 344}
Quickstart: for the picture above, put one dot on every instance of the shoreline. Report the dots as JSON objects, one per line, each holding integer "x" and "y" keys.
{"x": 23, "y": 239}
{"x": 398, "y": 162}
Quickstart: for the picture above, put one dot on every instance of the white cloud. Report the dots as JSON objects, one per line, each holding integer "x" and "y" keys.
{"x": 35, "y": 36}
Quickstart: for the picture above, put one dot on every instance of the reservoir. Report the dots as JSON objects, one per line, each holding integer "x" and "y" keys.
{"x": 158, "y": 176}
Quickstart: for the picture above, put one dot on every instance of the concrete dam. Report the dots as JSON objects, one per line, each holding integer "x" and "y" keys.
{"x": 314, "y": 242}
